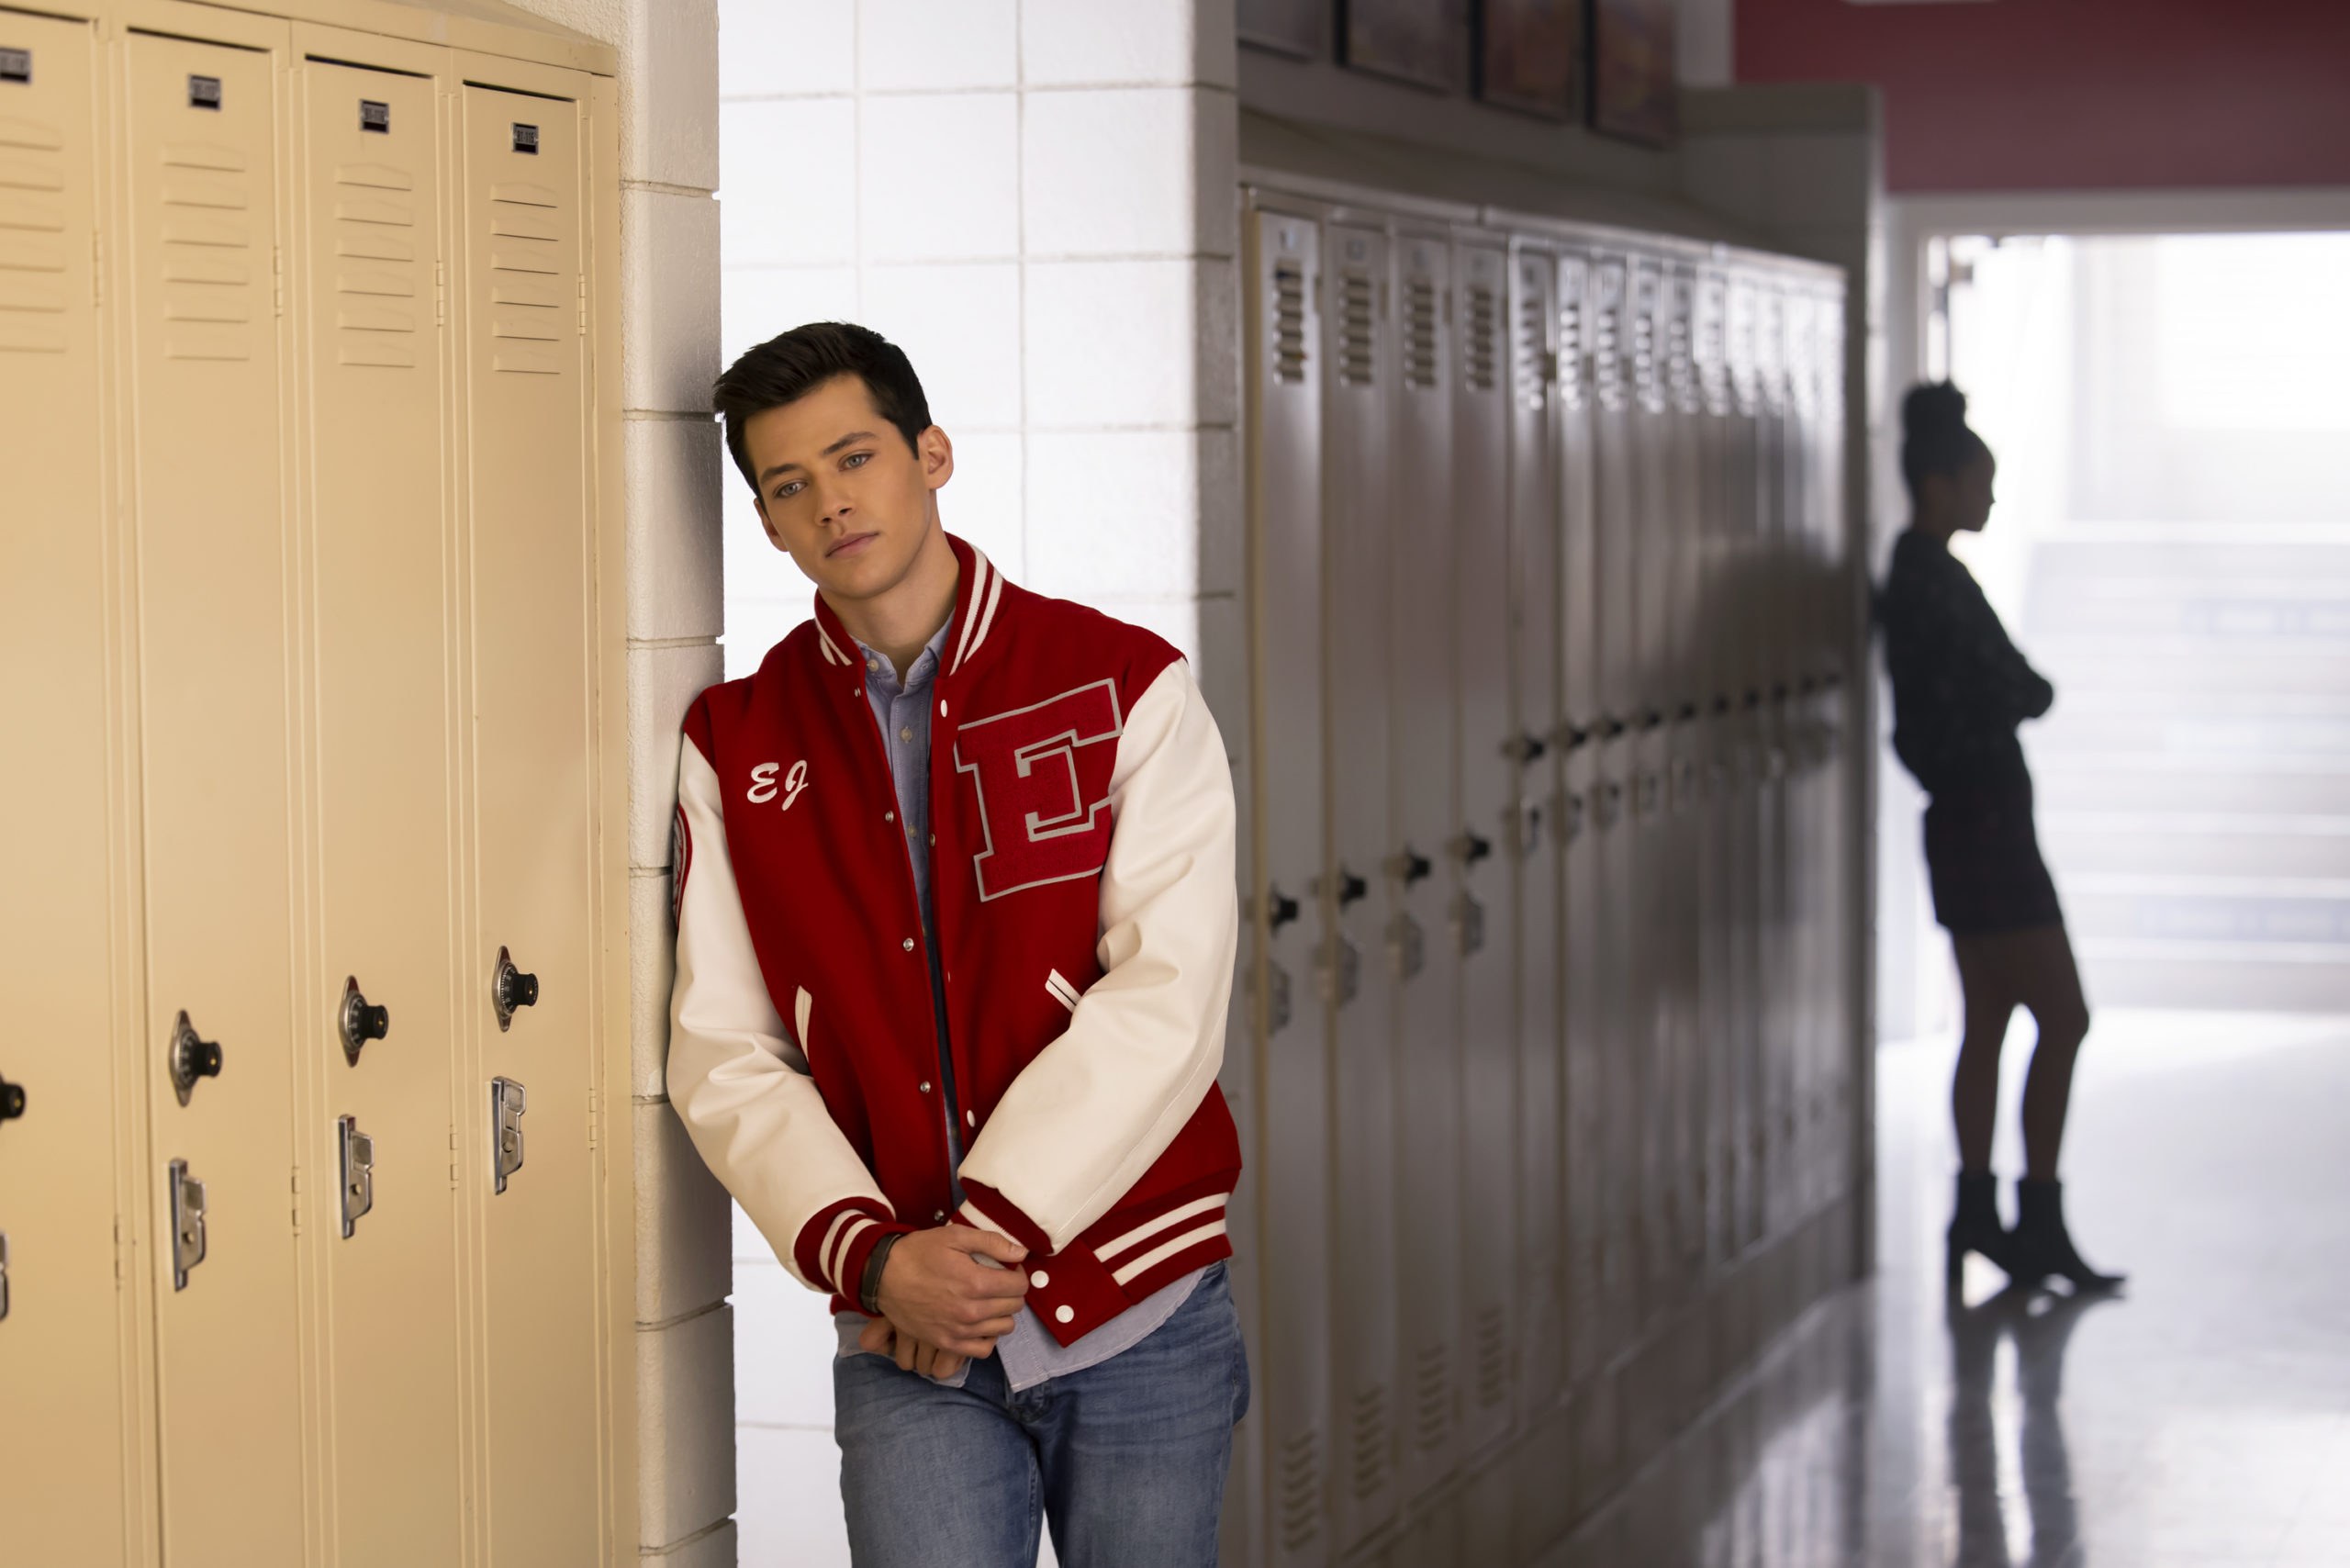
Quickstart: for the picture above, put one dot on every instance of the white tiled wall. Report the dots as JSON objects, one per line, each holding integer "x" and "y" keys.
{"x": 1036, "y": 199}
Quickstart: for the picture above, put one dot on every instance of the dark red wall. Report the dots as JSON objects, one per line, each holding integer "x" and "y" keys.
{"x": 2044, "y": 94}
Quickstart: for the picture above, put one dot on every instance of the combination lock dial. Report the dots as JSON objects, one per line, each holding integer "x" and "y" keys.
{"x": 510, "y": 988}
{"x": 192, "y": 1058}
{"x": 359, "y": 1023}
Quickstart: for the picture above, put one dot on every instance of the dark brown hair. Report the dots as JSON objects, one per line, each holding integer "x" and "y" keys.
{"x": 1935, "y": 436}
{"x": 786, "y": 369}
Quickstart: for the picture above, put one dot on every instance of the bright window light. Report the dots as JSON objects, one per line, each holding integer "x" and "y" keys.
{"x": 2253, "y": 332}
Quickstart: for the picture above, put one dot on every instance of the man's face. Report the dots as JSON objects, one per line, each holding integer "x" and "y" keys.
{"x": 840, "y": 490}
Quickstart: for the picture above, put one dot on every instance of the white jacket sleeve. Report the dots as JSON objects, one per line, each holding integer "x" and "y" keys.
{"x": 740, "y": 1084}
{"x": 1098, "y": 1106}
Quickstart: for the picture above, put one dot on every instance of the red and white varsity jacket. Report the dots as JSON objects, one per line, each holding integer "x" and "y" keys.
{"x": 1082, "y": 870}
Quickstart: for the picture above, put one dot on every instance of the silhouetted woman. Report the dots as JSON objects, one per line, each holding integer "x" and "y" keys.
{"x": 1959, "y": 690}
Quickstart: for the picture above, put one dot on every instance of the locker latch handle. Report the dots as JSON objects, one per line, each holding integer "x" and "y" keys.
{"x": 1350, "y": 888}
{"x": 191, "y": 1058}
{"x": 12, "y": 1101}
{"x": 1524, "y": 749}
{"x": 1280, "y": 908}
{"x": 510, "y": 988}
{"x": 188, "y": 1223}
{"x": 358, "y": 1173}
{"x": 1571, "y": 737}
{"x": 359, "y": 1023}
{"x": 4, "y": 1274}
{"x": 506, "y": 1104}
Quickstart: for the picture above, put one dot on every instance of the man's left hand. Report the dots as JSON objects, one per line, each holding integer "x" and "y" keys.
{"x": 882, "y": 1336}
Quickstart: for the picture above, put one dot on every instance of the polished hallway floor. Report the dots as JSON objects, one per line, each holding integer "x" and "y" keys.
{"x": 2200, "y": 1418}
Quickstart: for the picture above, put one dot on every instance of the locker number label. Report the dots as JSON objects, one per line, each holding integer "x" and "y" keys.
{"x": 1042, "y": 777}
{"x": 374, "y": 116}
{"x": 526, "y": 139}
{"x": 204, "y": 92}
{"x": 15, "y": 65}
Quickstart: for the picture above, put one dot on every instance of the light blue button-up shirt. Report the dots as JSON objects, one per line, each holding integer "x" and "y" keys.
{"x": 1031, "y": 1355}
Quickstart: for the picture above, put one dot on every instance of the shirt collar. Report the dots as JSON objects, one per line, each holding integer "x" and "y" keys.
{"x": 877, "y": 670}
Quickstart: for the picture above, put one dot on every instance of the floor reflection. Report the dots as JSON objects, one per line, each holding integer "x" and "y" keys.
{"x": 2199, "y": 1420}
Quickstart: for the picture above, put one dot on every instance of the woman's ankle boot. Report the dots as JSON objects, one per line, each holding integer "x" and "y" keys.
{"x": 2042, "y": 1246}
{"x": 1975, "y": 1226}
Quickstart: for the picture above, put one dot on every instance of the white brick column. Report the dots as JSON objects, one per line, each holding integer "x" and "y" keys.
{"x": 684, "y": 1330}
{"x": 1036, "y": 199}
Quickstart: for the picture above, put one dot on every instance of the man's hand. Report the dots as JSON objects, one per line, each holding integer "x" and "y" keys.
{"x": 910, "y": 1353}
{"x": 936, "y": 1290}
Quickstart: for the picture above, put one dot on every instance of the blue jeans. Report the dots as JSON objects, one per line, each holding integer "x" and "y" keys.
{"x": 1126, "y": 1460}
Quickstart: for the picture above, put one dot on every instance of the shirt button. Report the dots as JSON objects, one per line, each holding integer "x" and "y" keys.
{"x": 906, "y": 734}
{"x": 873, "y": 664}
{"x": 1040, "y": 1279}
{"x": 909, "y": 944}
{"x": 1063, "y": 1314}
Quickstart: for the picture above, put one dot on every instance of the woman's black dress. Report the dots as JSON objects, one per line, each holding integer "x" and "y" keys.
{"x": 1959, "y": 690}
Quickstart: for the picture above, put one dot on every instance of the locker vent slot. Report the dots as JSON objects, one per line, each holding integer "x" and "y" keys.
{"x": 1647, "y": 383}
{"x": 1485, "y": 335}
{"x": 1419, "y": 335}
{"x": 1681, "y": 373}
{"x": 526, "y": 322}
{"x": 1288, "y": 322}
{"x": 1432, "y": 1395}
{"x": 1493, "y": 1358}
{"x": 1367, "y": 1442}
{"x": 1301, "y": 1490}
{"x": 1535, "y": 367}
{"x": 206, "y": 298}
{"x": 1570, "y": 353}
{"x": 372, "y": 266}
{"x": 1358, "y": 355}
{"x": 24, "y": 300}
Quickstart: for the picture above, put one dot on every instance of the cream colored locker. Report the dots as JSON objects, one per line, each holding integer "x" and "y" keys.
{"x": 1480, "y": 926}
{"x": 383, "y": 639}
{"x": 214, "y": 572}
{"x": 1420, "y": 815}
{"x": 1358, "y": 370}
{"x": 65, "y": 1325}
{"x": 529, "y": 987}
{"x": 1616, "y": 938}
{"x": 1293, "y": 1357}
{"x": 1539, "y": 814}
{"x": 1583, "y": 978}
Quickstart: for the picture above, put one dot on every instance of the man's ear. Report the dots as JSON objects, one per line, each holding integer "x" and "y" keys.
{"x": 761, "y": 503}
{"x": 937, "y": 455}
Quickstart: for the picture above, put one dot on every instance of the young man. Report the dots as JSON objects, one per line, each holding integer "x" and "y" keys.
{"x": 956, "y": 923}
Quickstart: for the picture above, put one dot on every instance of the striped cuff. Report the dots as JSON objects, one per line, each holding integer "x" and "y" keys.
{"x": 834, "y": 1245}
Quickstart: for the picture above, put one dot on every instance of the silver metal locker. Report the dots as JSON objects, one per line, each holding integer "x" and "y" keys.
{"x": 1538, "y": 812}
{"x": 1743, "y": 506}
{"x": 1677, "y": 816}
{"x": 1616, "y": 932}
{"x": 1583, "y": 977}
{"x": 1357, "y": 368}
{"x": 1421, "y": 813}
{"x": 1481, "y": 913}
{"x": 1291, "y": 1021}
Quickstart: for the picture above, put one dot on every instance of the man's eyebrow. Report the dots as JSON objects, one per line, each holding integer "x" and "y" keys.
{"x": 849, "y": 440}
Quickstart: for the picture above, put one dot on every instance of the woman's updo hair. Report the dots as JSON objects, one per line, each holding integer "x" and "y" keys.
{"x": 1935, "y": 437}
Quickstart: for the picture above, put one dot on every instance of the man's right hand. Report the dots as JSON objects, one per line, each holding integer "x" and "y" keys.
{"x": 934, "y": 1289}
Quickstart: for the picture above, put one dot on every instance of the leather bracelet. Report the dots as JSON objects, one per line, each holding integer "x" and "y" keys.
{"x": 868, "y": 1289}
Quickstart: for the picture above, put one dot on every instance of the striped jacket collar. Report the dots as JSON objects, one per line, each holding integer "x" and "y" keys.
{"x": 978, "y": 592}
